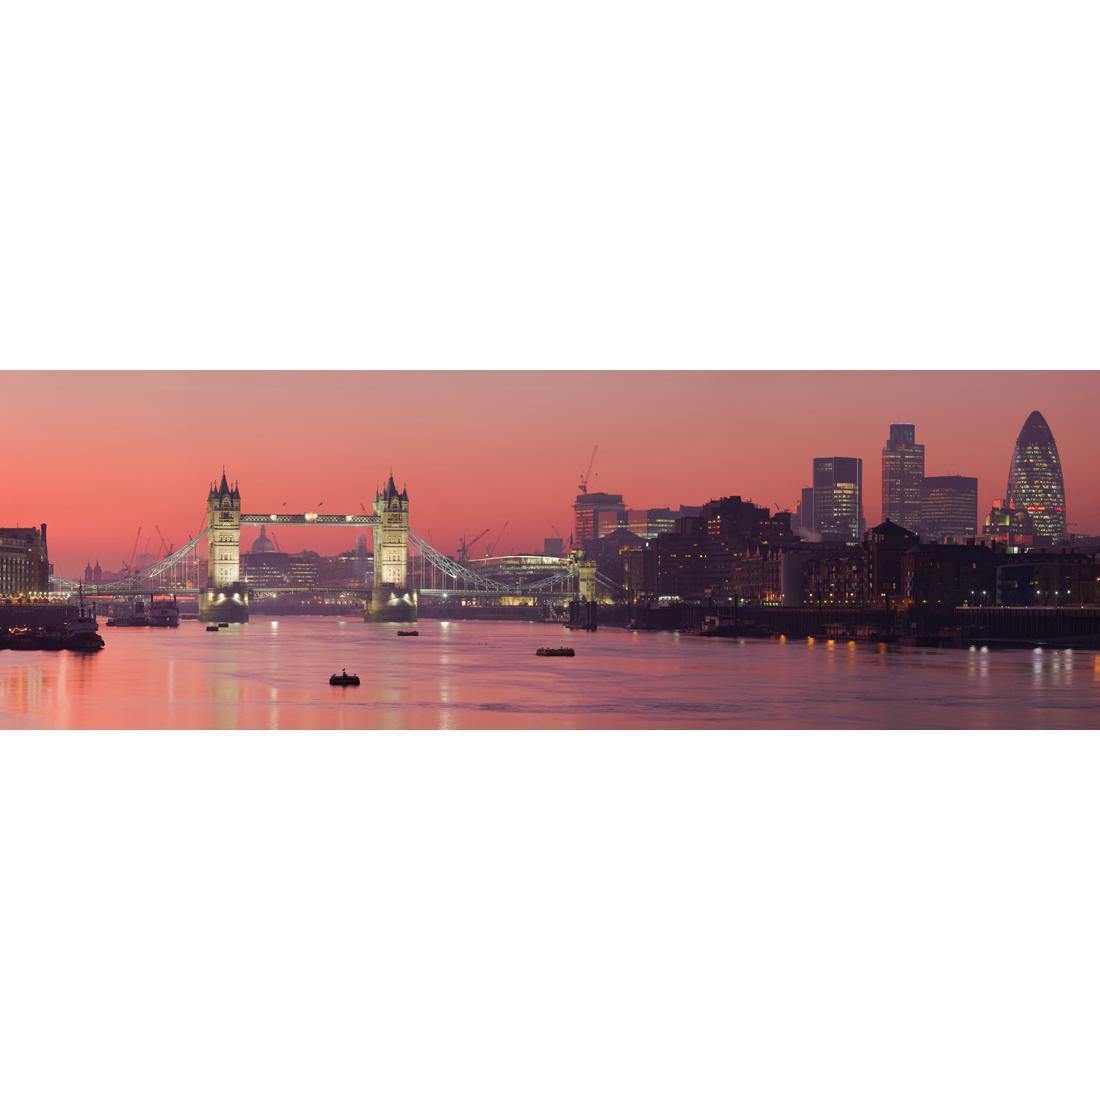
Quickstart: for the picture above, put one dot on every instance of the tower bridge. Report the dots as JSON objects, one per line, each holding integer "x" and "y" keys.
{"x": 406, "y": 566}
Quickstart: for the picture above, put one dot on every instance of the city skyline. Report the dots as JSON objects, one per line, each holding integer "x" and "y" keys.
{"x": 119, "y": 450}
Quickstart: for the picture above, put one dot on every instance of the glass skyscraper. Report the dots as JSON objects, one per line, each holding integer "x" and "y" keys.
{"x": 838, "y": 499}
{"x": 902, "y": 474}
{"x": 1035, "y": 481}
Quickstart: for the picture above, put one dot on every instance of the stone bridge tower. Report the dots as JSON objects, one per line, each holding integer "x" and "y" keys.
{"x": 225, "y": 598}
{"x": 392, "y": 599}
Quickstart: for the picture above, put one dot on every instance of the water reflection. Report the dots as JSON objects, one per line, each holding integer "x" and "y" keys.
{"x": 273, "y": 674}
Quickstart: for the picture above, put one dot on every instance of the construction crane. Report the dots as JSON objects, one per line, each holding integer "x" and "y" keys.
{"x": 583, "y": 486}
{"x": 166, "y": 549}
{"x": 465, "y": 545}
{"x": 493, "y": 545}
{"x": 128, "y": 566}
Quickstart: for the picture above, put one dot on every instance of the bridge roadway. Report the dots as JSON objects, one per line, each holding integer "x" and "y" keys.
{"x": 363, "y": 593}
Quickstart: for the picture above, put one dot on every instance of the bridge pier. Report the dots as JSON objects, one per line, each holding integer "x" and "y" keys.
{"x": 393, "y": 599}
{"x": 225, "y": 598}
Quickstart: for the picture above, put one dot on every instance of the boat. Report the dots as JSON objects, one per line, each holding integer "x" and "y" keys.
{"x": 223, "y": 626}
{"x": 164, "y": 613}
{"x": 408, "y": 633}
{"x": 211, "y": 630}
{"x": 551, "y": 651}
{"x": 129, "y": 615}
{"x": 82, "y": 633}
{"x": 343, "y": 678}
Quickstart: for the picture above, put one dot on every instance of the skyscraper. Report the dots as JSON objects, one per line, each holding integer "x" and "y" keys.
{"x": 1035, "y": 481}
{"x": 948, "y": 508}
{"x": 804, "y": 514}
{"x": 902, "y": 473}
{"x": 838, "y": 498}
{"x": 596, "y": 515}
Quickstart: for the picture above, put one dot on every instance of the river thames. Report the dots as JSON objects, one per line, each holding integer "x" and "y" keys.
{"x": 272, "y": 674}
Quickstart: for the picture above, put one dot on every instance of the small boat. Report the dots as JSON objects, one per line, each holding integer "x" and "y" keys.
{"x": 211, "y": 630}
{"x": 343, "y": 678}
{"x": 408, "y": 633}
{"x": 223, "y": 626}
{"x": 550, "y": 651}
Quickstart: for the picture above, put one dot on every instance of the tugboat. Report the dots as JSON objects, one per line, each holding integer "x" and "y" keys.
{"x": 408, "y": 633}
{"x": 212, "y": 629}
{"x": 343, "y": 678}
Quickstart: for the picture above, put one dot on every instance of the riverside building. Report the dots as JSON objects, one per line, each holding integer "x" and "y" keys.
{"x": 24, "y": 561}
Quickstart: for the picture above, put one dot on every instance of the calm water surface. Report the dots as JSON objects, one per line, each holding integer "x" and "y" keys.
{"x": 274, "y": 675}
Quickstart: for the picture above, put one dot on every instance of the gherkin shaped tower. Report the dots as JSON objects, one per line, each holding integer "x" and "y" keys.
{"x": 1035, "y": 481}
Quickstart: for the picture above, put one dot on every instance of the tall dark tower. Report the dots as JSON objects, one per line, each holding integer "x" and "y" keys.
{"x": 1035, "y": 481}
{"x": 902, "y": 474}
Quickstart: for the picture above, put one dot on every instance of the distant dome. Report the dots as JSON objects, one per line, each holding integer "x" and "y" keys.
{"x": 263, "y": 545}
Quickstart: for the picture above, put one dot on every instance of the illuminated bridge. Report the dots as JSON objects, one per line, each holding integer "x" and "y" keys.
{"x": 406, "y": 566}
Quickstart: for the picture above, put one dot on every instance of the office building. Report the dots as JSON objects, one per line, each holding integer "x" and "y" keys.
{"x": 902, "y": 474}
{"x": 1035, "y": 483}
{"x": 948, "y": 508}
{"x": 648, "y": 523}
{"x": 804, "y": 514}
{"x": 24, "y": 561}
{"x": 838, "y": 499}
{"x": 596, "y": 515}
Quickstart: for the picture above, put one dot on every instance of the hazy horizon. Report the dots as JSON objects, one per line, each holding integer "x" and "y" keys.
{"x": 100, "y": 453}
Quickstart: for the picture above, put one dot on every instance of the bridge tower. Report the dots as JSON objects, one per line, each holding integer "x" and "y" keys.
{"x": 583, "y": 608}
{"x": 225, "y": 598}
{"x": 392, "y": 599}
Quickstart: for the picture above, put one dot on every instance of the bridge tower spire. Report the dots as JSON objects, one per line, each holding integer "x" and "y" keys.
{"x": 392, "y": 598}
{"x": 225, "y": 598}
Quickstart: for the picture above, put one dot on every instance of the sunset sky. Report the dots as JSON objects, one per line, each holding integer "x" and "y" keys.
{"x": 95, "y": 455}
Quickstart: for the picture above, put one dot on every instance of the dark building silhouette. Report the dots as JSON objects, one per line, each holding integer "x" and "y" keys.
{"x": 696, "y": 560}
{"x": 902, "y": 474}
{"x": 838, "y": 499}
{"x": 1048, "y": 578}
{"x": 885, "y": 547}
{"x": 640, "y": 570}
{"x": 608, "y": 552}
{"x": 951, "y": 575}
{"x": 837, "y": 578}
{"x": 1035, "y": 481}
{"x": 948, "y": 508}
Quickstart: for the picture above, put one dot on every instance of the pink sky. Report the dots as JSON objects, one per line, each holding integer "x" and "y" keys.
{"x": 96, "y": 454}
